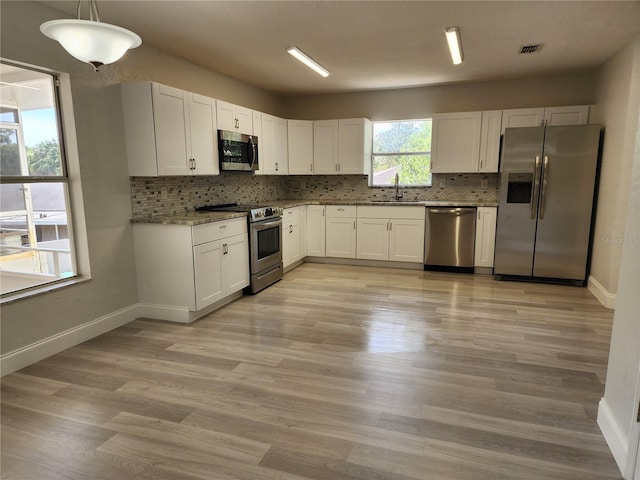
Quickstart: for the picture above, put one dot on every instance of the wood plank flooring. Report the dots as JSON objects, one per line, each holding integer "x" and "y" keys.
{"x": 334, "y": 373}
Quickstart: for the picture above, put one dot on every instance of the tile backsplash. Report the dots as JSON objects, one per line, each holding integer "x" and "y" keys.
{"x": 156, "y": 196}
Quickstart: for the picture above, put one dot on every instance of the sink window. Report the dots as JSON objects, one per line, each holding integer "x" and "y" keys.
{"x": 404, "y": 148}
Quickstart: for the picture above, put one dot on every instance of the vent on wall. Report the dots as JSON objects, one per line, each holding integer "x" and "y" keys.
{"x": 531, "y": 48}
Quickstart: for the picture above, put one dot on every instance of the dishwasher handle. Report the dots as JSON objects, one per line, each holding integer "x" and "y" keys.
{"x": 452, "y": 211}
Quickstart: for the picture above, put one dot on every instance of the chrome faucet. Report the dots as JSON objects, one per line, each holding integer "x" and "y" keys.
{"x": 399, "y": 195}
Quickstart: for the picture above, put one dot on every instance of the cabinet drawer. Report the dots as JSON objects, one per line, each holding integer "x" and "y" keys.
{"x": 209, "y": 232}
{"x": 416, "y": 213}
{"x": 341, "y": 211}
{"x": 291, "y": 216}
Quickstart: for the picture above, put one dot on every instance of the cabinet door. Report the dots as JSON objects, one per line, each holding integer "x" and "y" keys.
{"x": 455, "y": 145}
{"x": 571, "y": 115}
{"x": 290, "y": 244}
{"x": 372, "y": 239}
{"x": 235, "y": 263}
{"x": 303, "y": 231}
{"x": 226, "y": 116}
{"x": 325, "y": 147}
{"x": 406, "y": 240}
{"x": 203, "y": 131}
{"x": 485, "y": 236}
{"x": 170, "y": 121}
{"x": 490, "y": 141}
{"x": 207, "y": 262}
{"x": 522, "y": 117}
{"x": 273, "y": 146}
{"x": 341, "y": 237}
{"x": 280, "y": 152}
{"x": 316, "y": 230}
{"x": 300, "y": 141}
{"x": 354, "y": 146}
{"x": 244, "y": 117}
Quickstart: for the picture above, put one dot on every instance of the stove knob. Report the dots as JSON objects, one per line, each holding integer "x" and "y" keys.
{"x": 258, "y": 214}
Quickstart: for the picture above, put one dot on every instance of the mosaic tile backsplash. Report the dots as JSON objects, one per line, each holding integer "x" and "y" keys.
{"x": 153, "y": 196}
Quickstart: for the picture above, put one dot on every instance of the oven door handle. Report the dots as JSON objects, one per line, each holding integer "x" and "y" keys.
{"x": 262, "y": 226}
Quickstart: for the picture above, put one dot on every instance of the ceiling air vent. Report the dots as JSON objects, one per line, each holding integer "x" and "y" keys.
{"x": 532, "y": 48}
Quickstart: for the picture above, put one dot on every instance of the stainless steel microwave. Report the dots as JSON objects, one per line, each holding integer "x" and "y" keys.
{"x": 237, "y": 151}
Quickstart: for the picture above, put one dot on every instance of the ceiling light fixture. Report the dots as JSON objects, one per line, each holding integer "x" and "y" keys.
{"x": 455, "y": 47}
{"x": 91, "y": 41}
{"x": 308, "y": 61}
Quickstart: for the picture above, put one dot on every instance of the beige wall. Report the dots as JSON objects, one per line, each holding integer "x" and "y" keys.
{"x": 616, "y": 108}
{"x": 102, "y": 167}
{"x": 623, "y": 370}
{"x": 577, "y": 89}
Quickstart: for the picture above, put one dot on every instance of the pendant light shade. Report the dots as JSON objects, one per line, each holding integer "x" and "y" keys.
{"x": 91, "y": 41}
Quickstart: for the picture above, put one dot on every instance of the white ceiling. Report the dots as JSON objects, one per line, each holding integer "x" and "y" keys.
{"x": 376, "y": 44}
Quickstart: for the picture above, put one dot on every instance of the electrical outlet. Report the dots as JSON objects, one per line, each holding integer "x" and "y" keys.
{"x": 484, "y": 183}
{"x": 303, "y": 184}
{"x": 346, "y": 185}
{"x": 443, "y": 182}
{"x": 164, "y": 194}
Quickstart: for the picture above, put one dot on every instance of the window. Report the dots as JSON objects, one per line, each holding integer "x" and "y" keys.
{"x": 401, "y": 148}
{"x": 36, "y": 244}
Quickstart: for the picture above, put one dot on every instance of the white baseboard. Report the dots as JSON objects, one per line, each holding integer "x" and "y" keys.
{"x": 604, "y": 297}
{"x": 163, "y": 312}
{"x": 25, "y": 356}
{"x": 613, "y": 434}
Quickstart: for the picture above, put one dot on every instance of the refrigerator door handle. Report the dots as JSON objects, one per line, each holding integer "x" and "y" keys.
{"x": 536, "y": 188}
{"x": 543, "y": 194}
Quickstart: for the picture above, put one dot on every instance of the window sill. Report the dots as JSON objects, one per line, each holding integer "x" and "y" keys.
{"x": 41, "y": 290}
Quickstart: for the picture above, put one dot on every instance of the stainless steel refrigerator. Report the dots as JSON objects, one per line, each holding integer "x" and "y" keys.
{"x": 547, "y": 182}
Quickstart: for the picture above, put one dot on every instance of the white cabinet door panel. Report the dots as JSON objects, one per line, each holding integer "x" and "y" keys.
{"x": 522, "y": 117}
{"x": 300, "y": 140}
{"x": 455, "y": 144}
{"x": 207, "y": 260}
{"x": 171, "y": 130}
{"x": 485, "y": 236}
{"x": 236, "y": 263}
{"x": 203, "y": 134}
{"x": 406, "y": 242}
{"x": 341, "y": 237}
{"x": 570, "y": 115}
{"x": 325, "y": 147}
{"x": 316, "y": 229}
{"x": 372, "y": 239}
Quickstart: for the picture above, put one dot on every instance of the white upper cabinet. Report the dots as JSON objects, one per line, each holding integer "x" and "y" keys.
{"x": 455, "y": 142}
{"x": 273, "y": 155}
{"x": 325, "y": 147}
{"x": 234, "y": 118}
{"x": 354, "y": 146}
{"x": 168, "y": 131}
{"x": 490, "y": 141}
{"x": 300, "y": 140}
{"x": 522, "y": 117}
{"x": 342, "y": 146}
{"x": 536, "y": 117}
{"x": 572, "y": 115}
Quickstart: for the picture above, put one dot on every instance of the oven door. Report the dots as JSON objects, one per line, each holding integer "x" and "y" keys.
{"x": 266, "y": 244}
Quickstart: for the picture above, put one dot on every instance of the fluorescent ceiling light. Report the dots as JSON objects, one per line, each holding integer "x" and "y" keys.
{"x": 455, "y": 47}
{"x": 308, "y": 61}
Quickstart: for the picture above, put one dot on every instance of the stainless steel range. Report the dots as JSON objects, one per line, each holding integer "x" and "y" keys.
{"x": 265, "y": 241}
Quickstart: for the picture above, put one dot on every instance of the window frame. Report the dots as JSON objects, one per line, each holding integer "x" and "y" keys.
{"x": 396, "y": 154}
{"x": 69, "y": 178}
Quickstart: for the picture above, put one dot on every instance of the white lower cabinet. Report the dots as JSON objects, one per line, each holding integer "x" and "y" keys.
{"x": 340, "y": 231}
{"x": 485, "y": 236}
{"x": 390, "y": 233}
{"x": 316, "y": 230}
{"x": 184, "y": 269}
{"x": 291, "y": 236}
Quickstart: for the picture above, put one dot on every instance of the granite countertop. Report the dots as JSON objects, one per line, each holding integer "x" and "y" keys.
{"x": 406, "y": 203}
{"x": 198, "y": 218}
{"x": 190, "y": 218}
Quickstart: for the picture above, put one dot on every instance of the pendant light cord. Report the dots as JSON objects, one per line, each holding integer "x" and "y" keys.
{"x": 94, "y": 16}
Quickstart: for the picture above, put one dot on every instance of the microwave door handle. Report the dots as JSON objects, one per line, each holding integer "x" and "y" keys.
{"x": 253, "y": 152}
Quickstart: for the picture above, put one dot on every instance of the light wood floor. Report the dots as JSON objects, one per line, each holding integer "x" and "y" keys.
{"x": 333, "y": 373}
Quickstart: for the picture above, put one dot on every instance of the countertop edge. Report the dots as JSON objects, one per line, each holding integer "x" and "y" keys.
{"x": 199, "y": 218}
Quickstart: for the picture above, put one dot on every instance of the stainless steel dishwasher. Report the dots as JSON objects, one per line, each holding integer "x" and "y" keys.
{"x": 450, "y": 234}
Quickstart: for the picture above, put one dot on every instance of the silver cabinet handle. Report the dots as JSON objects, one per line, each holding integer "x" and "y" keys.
{"x": 354, "y": 224}
{"x": 536, "y": 187}
{"x": 276, "y": 166}
{"x": 545, "y": 177}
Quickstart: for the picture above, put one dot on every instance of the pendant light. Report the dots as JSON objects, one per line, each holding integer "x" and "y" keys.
{"x": 91, "y": 41}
